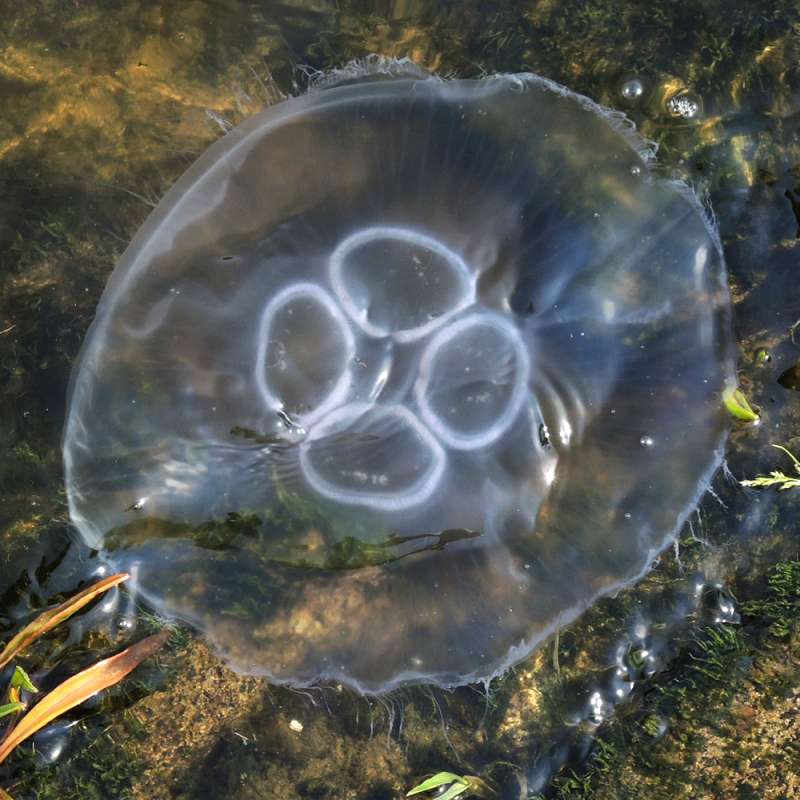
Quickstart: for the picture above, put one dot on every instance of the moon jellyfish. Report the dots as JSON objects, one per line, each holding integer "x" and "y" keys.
{"x": 401, "y": 376}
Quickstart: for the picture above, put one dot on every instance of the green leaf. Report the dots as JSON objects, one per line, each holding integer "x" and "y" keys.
{"x": 439, "y": 779}
{"x": 11, "y": 708}
{"x": 737, "y": 405}
{"x": 454, "y": 791}
{"x": 21, "y": 680}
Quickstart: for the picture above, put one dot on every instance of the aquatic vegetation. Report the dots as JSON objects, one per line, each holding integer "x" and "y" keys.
{"x": 20, "y": 681}
{"x": 79, "y": 688}
{"x": 387, "y": 389}
{"x": 457, "y": 786}
{"x": 738, "y": 406}
{"x": 73, "y": 691}
{"x": 49, "y": 619}
{"x": 719, "y": 653}
{"x": 777, "y": 478}
{"x": 581, "y": 786}
{"x": 781, "y": 606}
{"x": 11, "y": 708}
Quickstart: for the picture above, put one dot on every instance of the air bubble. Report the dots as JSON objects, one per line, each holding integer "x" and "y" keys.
{"x": 632, "y": 89}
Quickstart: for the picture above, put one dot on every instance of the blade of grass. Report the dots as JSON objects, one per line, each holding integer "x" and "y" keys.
{"x": 11, "y": 708}
{"x": 48, "y": 620}
{"x": 795, "y": 461}
{"x": 79, "y": 688}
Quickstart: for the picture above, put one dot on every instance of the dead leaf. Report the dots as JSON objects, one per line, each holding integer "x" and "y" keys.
{"x": 79, "y": 688}
{"x": 55, "y": 616}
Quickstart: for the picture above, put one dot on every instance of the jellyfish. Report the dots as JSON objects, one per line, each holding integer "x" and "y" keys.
{"x": 401, "y": 376}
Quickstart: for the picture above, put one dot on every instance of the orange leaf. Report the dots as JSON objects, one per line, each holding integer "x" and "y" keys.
{"x": 79, "y": 688}
{"x": 48, "y": 620}
{"x": 4, "y": 795}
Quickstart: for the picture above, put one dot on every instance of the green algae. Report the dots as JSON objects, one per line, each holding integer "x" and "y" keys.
{"x": 101, "y": 768}
{"x": 661, "y": 742}
{"x": 780, "y": 608}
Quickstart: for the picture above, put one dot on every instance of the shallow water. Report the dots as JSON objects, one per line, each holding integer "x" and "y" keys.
{"x": 100, "y": 121}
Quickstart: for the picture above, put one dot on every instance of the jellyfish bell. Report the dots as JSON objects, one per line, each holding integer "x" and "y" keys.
{"x": 409, "y": 372}
{"x": 472, "y": 380}
{"x": 304, "y": 354}
{"x": 412, "y": 281}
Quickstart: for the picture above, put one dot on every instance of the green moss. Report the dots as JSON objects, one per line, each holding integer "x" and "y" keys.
{"x": 222, "y": 535}
{"x": 780, "y": 608}
{"x": 682, "y": 716}
{"x": 97, "y": 770}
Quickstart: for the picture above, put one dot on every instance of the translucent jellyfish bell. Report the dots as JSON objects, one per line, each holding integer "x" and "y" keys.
{"x": 398, "y": 282}
{"x": 401, "y": 375}
{"x": 403, "y": 472}
{"x": 304, "y": 354}
{"x": 473, "y": 378}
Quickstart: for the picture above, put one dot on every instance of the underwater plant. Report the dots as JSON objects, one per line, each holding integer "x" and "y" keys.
{"x": 451, "y": 786}
{"x": 53, "y": 617}
{"x": 738, "y": 406}
{"x": 401, "y": 376}
{"x": 777, "y": 478}
{"x": 73, "y": 691}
